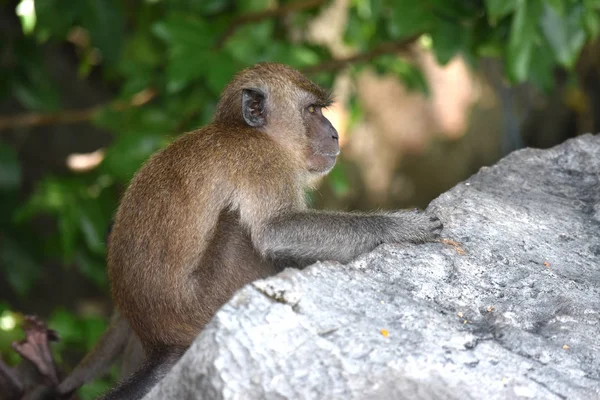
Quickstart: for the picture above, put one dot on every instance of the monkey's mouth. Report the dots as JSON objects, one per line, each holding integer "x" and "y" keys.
{"x": 322, "y": 163}
{"x": 329, "y": 154}
{"x": 328, "y": 162}
{"x": 329, "y": 158}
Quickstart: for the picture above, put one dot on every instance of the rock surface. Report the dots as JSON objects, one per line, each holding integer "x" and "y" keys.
{"x": 511, "y": 312}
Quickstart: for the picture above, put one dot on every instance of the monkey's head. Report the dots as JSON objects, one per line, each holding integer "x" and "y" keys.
{"x": 282, "y": 103}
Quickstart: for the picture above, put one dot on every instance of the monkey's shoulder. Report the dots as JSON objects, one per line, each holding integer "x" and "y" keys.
{"x": 224, "y": 160}
{"x": 239, "y": 151}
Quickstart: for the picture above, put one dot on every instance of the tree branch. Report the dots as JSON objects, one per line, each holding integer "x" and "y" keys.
{"x": 266, "y": 14}
{"x": 74, "y": 116}
{"x": 38, "y": 119}
{"x": 379, "y": 50}
{"x": 10, "y": 384}
{"x": 71, "y": 116}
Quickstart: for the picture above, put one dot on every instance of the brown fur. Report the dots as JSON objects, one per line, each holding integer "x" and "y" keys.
{"x": 224, "y": 205}
{"x": 180, "y": 245}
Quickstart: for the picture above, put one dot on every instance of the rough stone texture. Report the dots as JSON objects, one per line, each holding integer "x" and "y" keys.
{"x": 514, "y": 312}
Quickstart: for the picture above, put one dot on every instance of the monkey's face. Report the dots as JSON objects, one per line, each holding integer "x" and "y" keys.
{"x": 284, "y": 104}
{"x": 323, "y": 140}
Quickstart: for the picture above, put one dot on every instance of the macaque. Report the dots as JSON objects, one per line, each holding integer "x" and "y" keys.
{"x": 224, "y": 205}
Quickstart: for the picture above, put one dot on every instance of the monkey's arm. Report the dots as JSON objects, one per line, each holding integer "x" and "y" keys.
{"x": 324, "y": 235}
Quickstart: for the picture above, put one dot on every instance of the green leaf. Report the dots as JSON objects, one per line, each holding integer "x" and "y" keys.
{"x": 357, "y": 113}
{"x": 68, "y": 232}
{"x": 497, "y": 9}
{"x": 247, "y": 43}
{"x": 410, "y": 18}
{"x": 32, "y": 85}
{"x": 592, "y": 24}
{"x": 57, "y": 17}
{"x": 411, "y": 75}
{"x": 92, "y": 269}
{"x": 184, "y": 31}
{"x": 489, "y": 42}
{"x": 92, "y": 328}
{"x": 66, "y": 325}
{"x": 367, "y": 9}
{"x": 139, "y": 77}
{"x": 304, "y": 56}
{"x": 128, "y": 152}
{"x": 10, "y": 169}
{"x": 19, "y": 267}
{"x": 297, "y": 56}
{"x": 80, "y": 211}
{"x": 249, "y": 6}
{"x": 26, "y": 12}
{"x": 338, "y": 179}
{"x": 143, "y": 50}
{"x": 522, "y": 36}
{"x": 541, "y": 71}
{"x": 565, "y": 35}
{"x": 34, "y": 97}
{"x": 204, "y": 7}
{"x": 448, "y": 39}
{"x": 190, "y": 43}
{"x": 51, "y": 195}
{"x": 224, "y": 70}
{"x": 591, "y": 17}
{"x": 105, "y": 22}
{"x": 557, "y": 5}
{"x": 92, "y": 223}
{"x": 184, "y": 68}
{"x": 360, "y": 30}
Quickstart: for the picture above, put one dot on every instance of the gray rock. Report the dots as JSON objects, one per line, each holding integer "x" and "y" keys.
{"x": 511, "y": 312}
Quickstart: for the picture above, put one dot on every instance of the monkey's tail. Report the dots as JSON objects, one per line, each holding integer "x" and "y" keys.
{"x": 109, "y": 347}
{"x": 143, "y": 380}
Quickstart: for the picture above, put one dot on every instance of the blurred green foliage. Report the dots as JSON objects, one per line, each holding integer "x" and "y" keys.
{"x": 182, "y": 53}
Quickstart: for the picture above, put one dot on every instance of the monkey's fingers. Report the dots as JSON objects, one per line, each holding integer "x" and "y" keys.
{"x": 436, "y": 225}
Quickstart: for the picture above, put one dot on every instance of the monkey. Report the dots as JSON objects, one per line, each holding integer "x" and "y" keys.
{"x": 224, "y": 205}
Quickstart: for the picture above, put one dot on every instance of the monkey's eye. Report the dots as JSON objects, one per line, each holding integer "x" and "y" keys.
{"x": 311, "y": 109}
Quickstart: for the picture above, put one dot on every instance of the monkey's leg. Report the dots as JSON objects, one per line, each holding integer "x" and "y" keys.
{"x": 133, "y": 357}
{"x": 109, "y": 347}
{"x": 325, "y": 235}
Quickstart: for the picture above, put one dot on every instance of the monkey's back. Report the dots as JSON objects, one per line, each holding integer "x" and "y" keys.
{"x": 181, "y": 202}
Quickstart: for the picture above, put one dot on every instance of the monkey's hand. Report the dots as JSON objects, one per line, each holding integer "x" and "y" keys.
{"x": 413, "y": 226}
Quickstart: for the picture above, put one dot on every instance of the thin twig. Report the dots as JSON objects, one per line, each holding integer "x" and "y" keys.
{"x": 266, "y": 14}
{"x": 74, "y": 116}
{"x": 38, "y": 119}
{"x": 10, "y": 383}
{"x": 379, "y": 50}
{"x": 71, "y": 116}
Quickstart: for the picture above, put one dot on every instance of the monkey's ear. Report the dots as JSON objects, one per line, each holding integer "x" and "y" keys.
{"x": 253, "y": 107}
